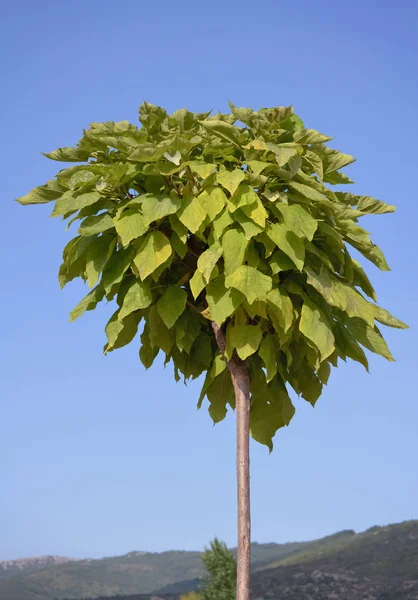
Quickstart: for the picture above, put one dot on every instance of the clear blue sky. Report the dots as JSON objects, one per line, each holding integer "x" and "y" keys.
{"x": 99, "y": 457}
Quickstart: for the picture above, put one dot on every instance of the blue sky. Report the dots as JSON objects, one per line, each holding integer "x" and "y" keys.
{"x": 99, "y": 457}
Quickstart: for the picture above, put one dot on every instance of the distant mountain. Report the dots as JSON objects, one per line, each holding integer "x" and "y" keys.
{"x": 9, "y": 568}
{"x": 379, "y": 564}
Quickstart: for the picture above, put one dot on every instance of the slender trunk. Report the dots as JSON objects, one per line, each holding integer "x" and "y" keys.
{"x": 241, "y": 382}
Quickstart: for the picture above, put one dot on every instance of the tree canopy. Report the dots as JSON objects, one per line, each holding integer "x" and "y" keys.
{"x": 234, "y": 219}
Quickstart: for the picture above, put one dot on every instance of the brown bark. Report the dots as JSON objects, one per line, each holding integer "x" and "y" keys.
{"x": 241, "y": 383}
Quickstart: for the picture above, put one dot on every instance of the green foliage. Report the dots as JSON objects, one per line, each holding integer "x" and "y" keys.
{"x": 221, "y": 566}
{"x": 190, "y": 596}
{"x": 192, "y": 219}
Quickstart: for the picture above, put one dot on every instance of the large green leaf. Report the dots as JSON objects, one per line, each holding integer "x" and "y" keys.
{"x": 120, "y": 332}
{"x": 298, "y": 219}
{"x": 187, "y": 330}
{"x": 160, "y": 335}
{"x": 155, "y": 208}
{"x": 268, "y": 352}
{"x": 192, "y": 213}
{"x": 223, "y": 130}
{"x": 115, "y": 270}
{"x": 288, "y": 242}
{"x": 213, "y": 200}
{"x": 130, "y": 225}
{"x": 68, "y": 154}
{"x": 244, "y": 196}
{"x": 250, "y": 282}
{"x": 96, "y": 224}
{"x": 280, "y": 302}
{"x": 369, "y": 337}
{"x": 234, "y": 244}
{"x": 221, "y": 300}
{"x": 220, "y": 393}
{"x": 42, "y": 194}
{"x": 98, "y": 254}
{"x": 171, "y": 304}
{"x": 88, "y": 303}
{"x": 70, "y": 202}
{"x": 154, "y": 251}
{"x": 245, "y": 339}
{"x": 208, "y": 259}
{"x": 342, "y": 296}
{"x": 230, "y": 180}
{"x": 137, "y": 297}
{"x": 315, "y": 326}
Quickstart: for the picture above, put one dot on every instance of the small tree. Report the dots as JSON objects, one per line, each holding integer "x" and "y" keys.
{"x": 221, "y": 235}
{"x": 222, "y": 573}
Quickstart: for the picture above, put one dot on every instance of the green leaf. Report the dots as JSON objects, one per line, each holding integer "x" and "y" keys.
{"x": 369, "y": 337}
{"x": 187, "y": 330}
{"x": 208, "y": 259}
{"x": 315, "y": 327}
{"x": 42, "y": 194}
{"x": 245, "y": 339}
{"x": 306, "y": 191}
{"x": 283, "y": 153}
{"x": 279, "y": 261}
{"x": 158, "y": 207}
{"x": 137, "y": 297}
{"x": 298, "y": 219}
{"x": 115, "y": 269}
{"x": 250, "y": 228}
{"x": 154, "y": 251}
{"x": 68, "y": 154}
{"x": 250, "y": 282}
{"x": 223, "y": 130}
{"x": 221, "y": 223}
{"x": 360, "y": 278}
{"x": 130, "y": 225}
{"x": 171, "y": 304}
{"x": 310, "y": 136}
{"x": 288, "y": 242}
{"x": 280, "y": 302}
{"x": 192, "y": 214}
{"x": 219, "y": 393}
{"x": 234, "y": 244}
{"x": 230, "y": 180}
{"x": 341, "y": 295}
{"x": 88, "y": 303}
{"x": 244, "y": 195}
{"x": 257, "y": 166}
{"x": 268, "y": 352}
{"x": 202, "y": 349}
{"x": 315, "y": 162}
{"x": 269, "y": 412}
{"x": 197, "y": 283}
{"x": 96, "y": 224}
{"x": 160, "y": 335}
{"x": 347, "y": 345}
{"x": 384, "y": 317}
{"x": 213, "y": 200}
{"x": 120, "y": 333}
{"x": 98, "y": 254}
{"x": 222, "y": 301}
{"x": 256, "y": 212}
{"x": 147, "y": 352}
{"x": 202, "y": 169}
{"x": 68, "y": 202}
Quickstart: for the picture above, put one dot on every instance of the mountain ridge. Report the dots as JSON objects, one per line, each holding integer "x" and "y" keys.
{"x": 380, "y": 556}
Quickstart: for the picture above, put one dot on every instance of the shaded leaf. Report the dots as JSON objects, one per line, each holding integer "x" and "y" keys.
{"x": 171, "y": 304}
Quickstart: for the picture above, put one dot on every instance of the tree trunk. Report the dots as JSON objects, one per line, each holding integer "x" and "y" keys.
{"x": 241, "y": 382}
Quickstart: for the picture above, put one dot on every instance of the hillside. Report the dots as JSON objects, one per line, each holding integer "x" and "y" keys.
{"x": 379, "y": 564}
{"x": 9, "y": 568}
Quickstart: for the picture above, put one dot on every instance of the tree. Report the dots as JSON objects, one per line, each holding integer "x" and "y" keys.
{"x": 223, "y": 237}
{"x": 222, "y": 570}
